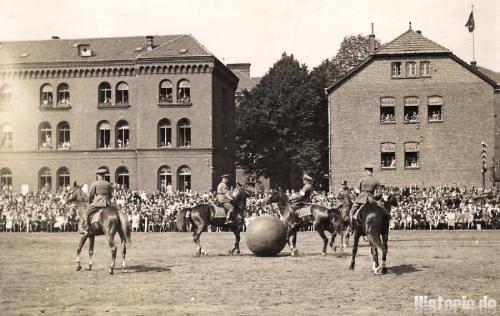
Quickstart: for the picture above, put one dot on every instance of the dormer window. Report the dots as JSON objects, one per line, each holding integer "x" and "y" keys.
{"x": 84, "y": 50}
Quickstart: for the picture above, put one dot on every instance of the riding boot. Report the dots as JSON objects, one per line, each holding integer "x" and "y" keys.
{"x": 229, "y": 217}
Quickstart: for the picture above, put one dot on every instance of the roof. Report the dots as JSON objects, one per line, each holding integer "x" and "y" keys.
{"x": 490, "y": 73}
{"x": 246, "y": 82}
{"x": 410, "y": 42}
{"x": 103, "y": 49}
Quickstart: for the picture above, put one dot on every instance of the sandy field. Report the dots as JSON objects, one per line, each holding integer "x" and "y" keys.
{"x": 165, "y": 278}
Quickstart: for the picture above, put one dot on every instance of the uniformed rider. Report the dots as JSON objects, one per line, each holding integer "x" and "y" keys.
{"x": 225, "y": 199}
{"x": 367, "y": 187}
{"x": 305, "y": 193}
{"x": 345, "y": 196}
{"x": 99, "y": 197}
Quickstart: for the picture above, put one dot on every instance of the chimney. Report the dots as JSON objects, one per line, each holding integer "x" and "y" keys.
{"x": 242, "y": 67}
{"x": 473, "y": 64}
{"x": 149, "y": 42}
{"x": 419, "y": 32}
{"x": 371, "y": 38}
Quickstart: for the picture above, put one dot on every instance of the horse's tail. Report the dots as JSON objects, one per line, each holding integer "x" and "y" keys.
{"x": 181, "y": 220}
{"x": 125, "y": 226}
{"x": 371, "y": 230}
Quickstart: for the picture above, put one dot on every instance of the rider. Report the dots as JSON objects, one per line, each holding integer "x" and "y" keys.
{"x": 305, "y": 193}
{"x": 344, "y": 195}
{"x": 99, "y": 197}
{"x": 367, "y": 187}
{"x": 224, "y": 198}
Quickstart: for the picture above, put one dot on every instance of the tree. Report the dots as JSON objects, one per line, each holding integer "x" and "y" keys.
{"x": 277, "y": 134}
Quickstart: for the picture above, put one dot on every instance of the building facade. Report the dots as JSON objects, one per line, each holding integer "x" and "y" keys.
{"x": 415, "y": 113}
{"x": 154, "y": 111}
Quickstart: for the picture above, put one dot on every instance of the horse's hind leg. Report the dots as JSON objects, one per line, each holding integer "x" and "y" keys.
{"x": 78, "y": 267}
{"x": 112, "y": 245}
{"x": 236, "y": 248}
{"x": 385, "y": 237}
{"x": 91, "y": 251}
{"x": 124, "y": 252}
{"x": 325, "y": 240}
{"x": 196, "y": 239}
{"x": 356, "y": 237}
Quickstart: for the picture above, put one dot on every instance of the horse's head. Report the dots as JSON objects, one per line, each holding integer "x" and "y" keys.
{"x": 240, "y": 195}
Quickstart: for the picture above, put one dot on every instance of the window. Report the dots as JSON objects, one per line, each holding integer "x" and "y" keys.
{"x": 104, "y": 93}
{"x": 63, "y": 95}
{"x": 388, "y": 156}
{"x": 164, "y": 134}
{"x": 5, "y": 97}
{"x": 45, "y": 179}
{"x": 396, "y": 70}
{"x": 183, "y": 92}
{"x": 412, "y": 155}
{"x": 425, "y": 69}
{"x": 63, "y": 136}
{"x": 411, "y": 69}
{"x": 63, "y": 180}
{"x": 122, "y": 177}
{"x": 387, "y": 105}
{"x": 166, "y": 90}
{"x": 184, "y": 178}
{"x": 5, "y": 177}
{"x": 164, "y": 178}
{"x": 6, "y": 137}
{"x": 45, "y": 138}
{"x": 122, "y": 134}
{"x": 184, "y": 133}
{"x": 103, "y": 135}
{"x": 46, "y": 95}
{"x": 434, "y": 109}
{"x": 411, "y": 110}
{"x": 107, "y": 175}
{"x": 122, "y": 93}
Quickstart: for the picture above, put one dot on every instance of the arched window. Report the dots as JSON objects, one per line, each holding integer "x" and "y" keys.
{"x": 107, "y": 175}
{"x": 183, "y": 91}
{"x": 122, "y": 177}
{"x": 63, "y": 179}
{"x": 166, "y": 89}
{"x": 184, "y": 133}
{"x": 45, "y": 179}
{"x": 122, "y": 93}
{"x": 46, "y": 95}
{"x": 184, "y": 178}
{"x": 5, "y": 97}
{"x": 122, "y": 134}
{"x": 164, "y": 178}
{"x": 104, "y": 93}
{"x": 164, "y": 134}
{"x": 103, "y": 134}
{"x": 63, "y": 95}
{"x": 6, "y": 137}
{"x": 5, "y": 177}
{"x": 45, "y": 136}
{"x": 63, "y": 135}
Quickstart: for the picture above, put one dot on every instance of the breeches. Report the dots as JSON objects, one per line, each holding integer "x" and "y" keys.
{"x": 91, "y": 210}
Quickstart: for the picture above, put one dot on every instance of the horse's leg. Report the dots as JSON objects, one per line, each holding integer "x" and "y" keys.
{"x": 236, "y": 248}
{"x": 112, "y": 246}
{"x": 294, "y": 240}
{"x": 78, "y": 267}
{"x": 354, "y": 248}
{"x": 196, "y": 239}
{"x": 91, "y": 251}
{"x": 321, "y": 233}
{"x": 124, "y": 250}
{"x": 288, "y": 237}
{"x": 385, "y": 238}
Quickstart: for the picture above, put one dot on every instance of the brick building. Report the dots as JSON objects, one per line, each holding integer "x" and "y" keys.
{"x": 416, "y": 113}
{"x": 153, "y": 110}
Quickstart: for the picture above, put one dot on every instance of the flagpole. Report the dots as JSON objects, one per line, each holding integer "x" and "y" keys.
{"x": 473, "y": 44}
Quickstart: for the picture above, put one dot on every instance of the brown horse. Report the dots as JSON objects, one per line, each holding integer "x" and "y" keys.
{"x": 110, "y": 222}
{"x": 344, "y": 224}
{"x": 375, "y": 226}
{"x": 322, "y": 219}
{"x": 203, "y": 215}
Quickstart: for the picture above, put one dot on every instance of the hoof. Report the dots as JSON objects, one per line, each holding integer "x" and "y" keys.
{"x": 124, "y": 270}
{"x": 111, "y": 271}
{"x": 384, "y": 270}
{"x": 323, "y": 254}
{"x": 334, "y": 248}
{"x": 89, "y": 267}
{"x": 351, "y": 267}
{"x": 78, "y": 268}
{"x": 204, "y": 253}
{"x": 197, "y": 254}
{"x": 377, "y": 270}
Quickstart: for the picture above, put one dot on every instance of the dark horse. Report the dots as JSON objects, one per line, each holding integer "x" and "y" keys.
{"x": 321, "y": 218}
{"x": 110, "y": 222}
{"x": 203, "y": 215}
{"x": 375, "y": 226}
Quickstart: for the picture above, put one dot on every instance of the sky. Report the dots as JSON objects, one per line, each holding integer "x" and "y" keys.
{"x": 259, "y": 31}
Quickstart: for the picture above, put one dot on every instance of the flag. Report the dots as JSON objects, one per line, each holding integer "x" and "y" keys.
{"x": 470, "y": 22}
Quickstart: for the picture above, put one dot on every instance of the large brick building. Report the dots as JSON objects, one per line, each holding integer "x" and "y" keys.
{"x": 153, "y": 110}
{"x": 416, "y": 113}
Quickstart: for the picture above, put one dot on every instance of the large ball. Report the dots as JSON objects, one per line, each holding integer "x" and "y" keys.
{"x": 266, "y": 235}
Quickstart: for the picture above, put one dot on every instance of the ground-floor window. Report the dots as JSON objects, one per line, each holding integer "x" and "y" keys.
{"x": 5, "y": 178}
{"x": 63, "y": 178}
{"x": 164, "y": 178}
{"x": 45, "y": 179}
{"x": 122, "y": 177}
{"x": 184, "y": 179}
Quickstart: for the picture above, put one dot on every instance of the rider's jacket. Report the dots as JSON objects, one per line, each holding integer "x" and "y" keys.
{"x": 367, "y": 186}
{"x": 223, "y": 193}
{"x": 307, "y": 189}
{"x": 345, "y": 196}
{"x": 100, "y": 193}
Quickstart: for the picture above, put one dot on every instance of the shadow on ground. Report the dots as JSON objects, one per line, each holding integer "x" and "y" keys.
{"x": 146, "y": 269}
{"x": 403, "y": 269}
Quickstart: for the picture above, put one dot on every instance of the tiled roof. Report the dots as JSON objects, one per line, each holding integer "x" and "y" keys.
{"x": 246, "y": 82}
{"x": 410, "y": 42}
{"x": 103, "y": 49}
{"x": 490, "y": 73}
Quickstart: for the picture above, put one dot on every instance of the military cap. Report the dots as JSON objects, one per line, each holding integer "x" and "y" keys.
{"x": 225, "y": 176}
{"x": 307, "y": 177}
{"x": 101, "y": 171}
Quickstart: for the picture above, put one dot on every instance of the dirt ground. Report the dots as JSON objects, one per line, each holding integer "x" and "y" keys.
{"x": 37, "y": 276}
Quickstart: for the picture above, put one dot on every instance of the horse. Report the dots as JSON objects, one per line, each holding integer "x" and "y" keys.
{"x": 203, "y": 215}
{"x": 375, "y": 226}
{"x": 320, "y": 217}
{"x": 343, "y": 223}
{"x": 110, "y": 222}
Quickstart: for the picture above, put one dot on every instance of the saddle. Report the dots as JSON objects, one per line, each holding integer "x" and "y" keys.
{"x": 304, "y": 211}
{"x": 219, "y": 211}
{"x": 95, "y": 217}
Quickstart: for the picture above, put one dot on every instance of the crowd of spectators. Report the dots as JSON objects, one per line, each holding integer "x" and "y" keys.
{"x": 418, "y": 208}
